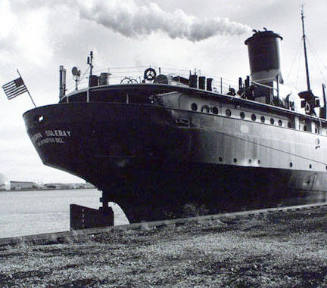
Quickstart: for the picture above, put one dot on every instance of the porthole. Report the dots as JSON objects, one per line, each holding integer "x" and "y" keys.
{"x": 280, "y": 123}
{"x": 228, "y": 113}
{"x": 242, "y": 115}
{"x": 272, "y": 121}
{"x": 205, "y": 109}
{"x": 253, "y": 117}
{"x": 291, "y": 164}
{"x": 263, "y": 119}
{"x": 194, "y": 107}
{"x": 214, "y": 110}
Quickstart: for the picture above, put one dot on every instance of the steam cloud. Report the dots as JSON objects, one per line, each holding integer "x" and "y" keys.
{"x": 132, "y": 20}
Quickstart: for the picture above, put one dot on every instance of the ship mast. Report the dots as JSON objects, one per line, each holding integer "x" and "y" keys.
{"x": 305, "y": 51}
{"x": 309, "y": 100}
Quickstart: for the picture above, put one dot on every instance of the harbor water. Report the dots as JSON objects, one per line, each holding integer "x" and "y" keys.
{"x": 33, "y": 212}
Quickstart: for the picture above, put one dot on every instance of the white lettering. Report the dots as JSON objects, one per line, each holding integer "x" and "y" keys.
{"x": 49, "y": 133}
{"x": 57, "y": 133}
{"x": 56, "y": 140}
{"x": 45, "y": 141}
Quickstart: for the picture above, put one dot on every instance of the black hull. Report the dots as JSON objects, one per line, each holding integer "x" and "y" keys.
{"x": 147, "y": 195}
{"x": 157, "y": 167}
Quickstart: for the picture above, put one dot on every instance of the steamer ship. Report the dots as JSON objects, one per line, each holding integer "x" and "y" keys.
{"x": 171, "y": 146}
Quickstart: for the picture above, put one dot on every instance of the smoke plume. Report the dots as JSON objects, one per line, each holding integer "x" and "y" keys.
{"x": 132, "y": 20}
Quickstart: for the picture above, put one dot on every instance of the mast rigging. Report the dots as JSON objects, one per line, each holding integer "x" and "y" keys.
{"x": 305, "y": 51}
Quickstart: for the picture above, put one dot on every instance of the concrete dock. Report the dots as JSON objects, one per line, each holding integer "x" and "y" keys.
{"x": 286, "y": 248}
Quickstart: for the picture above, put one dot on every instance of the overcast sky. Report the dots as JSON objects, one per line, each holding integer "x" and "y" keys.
{"x": 205, "y": 34}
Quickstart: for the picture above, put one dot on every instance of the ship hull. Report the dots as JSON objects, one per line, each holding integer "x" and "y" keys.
{"x": 159, "y": 163}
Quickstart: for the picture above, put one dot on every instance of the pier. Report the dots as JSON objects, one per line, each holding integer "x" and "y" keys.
{"x": 283, "y": 247}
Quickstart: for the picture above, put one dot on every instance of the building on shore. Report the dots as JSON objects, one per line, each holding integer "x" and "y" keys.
{"x": 23, "y": 185}
{"x": 59, "y": 186}
{"x": 4, "y": 183}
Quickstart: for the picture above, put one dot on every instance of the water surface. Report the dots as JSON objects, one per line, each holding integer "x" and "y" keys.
{"x": 33, "y": 212}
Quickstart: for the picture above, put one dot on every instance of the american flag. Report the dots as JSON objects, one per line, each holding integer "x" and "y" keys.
{"x": 14, "y": 88}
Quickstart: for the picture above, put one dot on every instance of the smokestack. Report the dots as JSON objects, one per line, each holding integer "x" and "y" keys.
{"x": 240, "y": 83}
{"x": 209, "y": 84}
{"x": 264, "y": 57}
{"x": 202, "y": 82}
{"x": 194, "y": 81}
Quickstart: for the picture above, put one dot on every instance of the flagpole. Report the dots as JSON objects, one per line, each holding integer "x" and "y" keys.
{"x": 27, "y": 89}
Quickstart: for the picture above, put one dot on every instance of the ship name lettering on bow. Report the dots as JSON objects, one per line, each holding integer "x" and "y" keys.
{"x": 57, "y": 133}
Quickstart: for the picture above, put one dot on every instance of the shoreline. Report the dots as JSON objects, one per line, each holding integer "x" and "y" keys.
{"x": 49, "y": 189}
